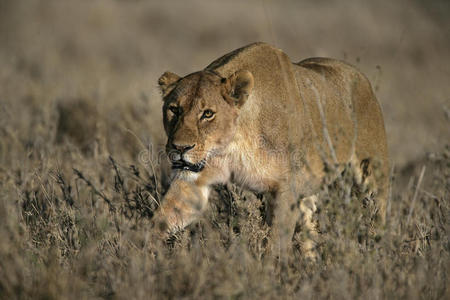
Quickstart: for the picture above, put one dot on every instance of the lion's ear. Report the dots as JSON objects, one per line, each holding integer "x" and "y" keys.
{"x": 241, "y": 85}
{"x": 166, "y": 82}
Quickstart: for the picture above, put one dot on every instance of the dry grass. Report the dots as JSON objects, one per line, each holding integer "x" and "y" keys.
{"x": 81, "y": 172}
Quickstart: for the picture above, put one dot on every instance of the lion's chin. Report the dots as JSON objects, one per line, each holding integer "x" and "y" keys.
{"x": 187, "y": 166}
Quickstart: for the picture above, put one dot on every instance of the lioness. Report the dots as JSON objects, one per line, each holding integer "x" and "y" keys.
{"x": 255, "y": 118}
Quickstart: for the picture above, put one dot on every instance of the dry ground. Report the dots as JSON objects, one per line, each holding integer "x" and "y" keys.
{"x": 81, "y": 133}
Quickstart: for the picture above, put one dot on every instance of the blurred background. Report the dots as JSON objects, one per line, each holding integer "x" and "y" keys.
{"x": 80, "y": 122}
{"x": 86, "y": 71}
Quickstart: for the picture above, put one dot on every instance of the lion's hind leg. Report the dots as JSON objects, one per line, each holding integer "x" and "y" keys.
{"x": 371, "y": 184}
{"x": 308, "y": 230}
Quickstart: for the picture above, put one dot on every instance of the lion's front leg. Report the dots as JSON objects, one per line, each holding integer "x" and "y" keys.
{"x": 284, "y": 215}
{"x": 184, "y": 203}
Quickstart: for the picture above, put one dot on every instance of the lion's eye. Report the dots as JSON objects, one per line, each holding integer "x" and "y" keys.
{"x": 207, "y": 114}
{"x": 174, "y": 109}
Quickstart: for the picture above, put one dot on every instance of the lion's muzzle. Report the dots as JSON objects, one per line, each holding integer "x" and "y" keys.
{"x": 177, "y": 157}
{"x": 184, "y": 165}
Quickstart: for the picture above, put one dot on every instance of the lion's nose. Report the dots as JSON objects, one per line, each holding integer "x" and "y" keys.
{"x": 182, "y": 148}
{"x": 179, "y": 150}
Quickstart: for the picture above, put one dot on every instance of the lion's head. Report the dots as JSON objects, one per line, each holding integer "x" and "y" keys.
{"x": 200, "y": 113}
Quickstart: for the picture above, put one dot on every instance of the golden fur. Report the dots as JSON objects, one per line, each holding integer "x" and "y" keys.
{"x": 255, "y": 118}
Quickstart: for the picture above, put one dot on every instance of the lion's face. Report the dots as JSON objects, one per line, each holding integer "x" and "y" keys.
{"x": 200, "y": 113}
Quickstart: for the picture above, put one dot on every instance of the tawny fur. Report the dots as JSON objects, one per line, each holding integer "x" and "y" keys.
{"x": 277, "y": 124}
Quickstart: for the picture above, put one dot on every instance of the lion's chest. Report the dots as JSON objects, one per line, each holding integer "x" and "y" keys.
{"x": 252, "y": 167}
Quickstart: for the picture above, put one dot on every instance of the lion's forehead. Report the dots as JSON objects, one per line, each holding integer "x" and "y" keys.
{"x": 196, "y": 91}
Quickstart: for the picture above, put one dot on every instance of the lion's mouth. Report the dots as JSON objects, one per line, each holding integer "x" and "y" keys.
{"x": 184, "y": 165}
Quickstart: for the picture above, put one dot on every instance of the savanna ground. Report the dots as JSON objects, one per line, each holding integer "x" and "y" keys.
{"x": 81, "y": 134}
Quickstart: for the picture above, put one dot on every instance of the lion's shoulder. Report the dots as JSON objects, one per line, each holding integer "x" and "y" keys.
{"x": 247, "y": 50}
{"x": 252, "y": 54}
